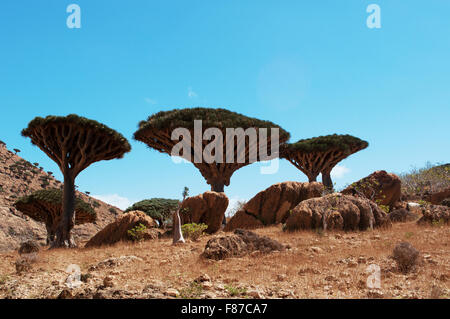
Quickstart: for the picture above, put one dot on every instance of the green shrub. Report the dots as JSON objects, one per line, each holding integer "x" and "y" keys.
{"x": 235, "y": 291}
{"x": 96, "y": 204}
{"x": 112, "y": 210}
{"x": 137, "y": 232}
{"x": 193, "y": 231}
{"x": 193, "y": 291}
{"x": 157, "y": 208}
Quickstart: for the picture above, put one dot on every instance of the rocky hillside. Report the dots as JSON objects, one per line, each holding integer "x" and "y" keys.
{"x": 19, "y": 177}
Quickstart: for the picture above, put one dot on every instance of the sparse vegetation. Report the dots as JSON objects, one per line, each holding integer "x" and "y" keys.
{"x": 137, "y": 232}
{"x": 193, "y": 231}
{"x": 429, "y": 179}
{"x": 193, "y": 291}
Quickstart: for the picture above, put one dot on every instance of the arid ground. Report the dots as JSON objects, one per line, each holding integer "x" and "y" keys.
{"x": 317, "y": 265}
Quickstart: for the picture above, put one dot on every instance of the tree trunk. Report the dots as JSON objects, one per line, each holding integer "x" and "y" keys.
{"x": 63, "y": 235}
{"x": 312, "y": 178}
{"x": 177, "y": 233}
{"x": 217, "y": 187}
{"x": 326, "y": 181}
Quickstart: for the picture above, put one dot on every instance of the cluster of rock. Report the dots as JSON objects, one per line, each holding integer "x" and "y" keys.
{"x": 207, "y": 208}
{"x": 272, "y": 206}
{"x": 119, "y": 229}
{"x": 241, "y": 243}
{"x": 337, "y": 211}
{"x": 381, "y": 187}
{"x": 435, "y": 214}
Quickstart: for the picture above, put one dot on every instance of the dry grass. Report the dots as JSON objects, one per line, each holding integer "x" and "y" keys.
{"x": 295, "y": 273}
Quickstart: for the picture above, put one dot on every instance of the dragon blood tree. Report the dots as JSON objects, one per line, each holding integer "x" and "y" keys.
{"x": 320, "y": 154}
{"x": 74, "y": 143}
{"x": 237, "y": 139}
{"x": 157, "y": 208}
{"x": 46, "y": 206}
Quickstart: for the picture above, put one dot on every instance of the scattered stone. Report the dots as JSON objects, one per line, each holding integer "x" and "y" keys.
{"x": 242, "y": 242}
{"x": 114, "y": 262}
{"x": 315, "y": 249}
{"x": 281, "y": 277}
{"x": 171, "y": 292}
{"x": 65, "y": 294}
{"x": 29, "y": 247}
{"x": 108, "y": 281}
{"x": 202, "y": 278}
{"x": 375, "y": 294}
{"x": 255, "y": 293}
{"x": 23, "y": 265}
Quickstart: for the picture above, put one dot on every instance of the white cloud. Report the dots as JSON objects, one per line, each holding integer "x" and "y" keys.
{"x": 339, "y": 171}
{"x": 149, "y": 100}
{"x": 191, "y": 93}
{"x": 115, "y": 200}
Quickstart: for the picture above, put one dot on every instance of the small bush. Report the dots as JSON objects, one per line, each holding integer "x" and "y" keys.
{"x": 96, "y": 204}
{"x": 137, "y": 232}
{"x": 406, "y": 256}
{"x": 193, "y": 231}
{"x": 193, "y": 291}
{"x": 235, "y": 291}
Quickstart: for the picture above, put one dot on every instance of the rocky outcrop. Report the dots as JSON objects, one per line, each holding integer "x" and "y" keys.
{"x": 18, "y": 178}
{"x": 272, "y": 205}
{"x": 381, "y": 187}
{"x": 118, "y": 230}
{"x": 438, "y": 197}
{"x": 16, "y": 229}
{"x": 336, "y": 211}
{"x": 241, "y": 243}
{"x": 435, "y": 214}
{"x": 207, "y": 208}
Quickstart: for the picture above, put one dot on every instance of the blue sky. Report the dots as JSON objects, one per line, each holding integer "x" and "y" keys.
{"x": 313, "y": 67}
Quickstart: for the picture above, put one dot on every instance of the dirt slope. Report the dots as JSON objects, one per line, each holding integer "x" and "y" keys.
{"x": 19, "y": 177}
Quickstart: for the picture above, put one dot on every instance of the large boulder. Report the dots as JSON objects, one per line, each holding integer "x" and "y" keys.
{"x": 337, "y": 211}
{"x": 434, "y": 214}
{"x": 272, "y": 205}
{"x": 438, "y": 197}
{"x": 381, "y": 187}
{"x": 118, "y": 230}
{"x": 241, "y": 243}
{"x": 207, "y": 208}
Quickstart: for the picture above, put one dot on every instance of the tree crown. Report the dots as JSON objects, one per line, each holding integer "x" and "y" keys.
{"x": 156, "y": 208}
{"x": 53, "y": 198}
{"x": 324, "y": 143}
{"x": 75, "y": 141}
{"x": 211, "y": 117}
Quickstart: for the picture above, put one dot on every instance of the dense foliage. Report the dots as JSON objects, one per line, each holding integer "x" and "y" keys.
{"x": 51, "y": 198}
{"x": 220, "y": 118}
{"x": 157, "y": 208}
{"x": 327, "y": 142}
{"x": 80, "y": 123}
